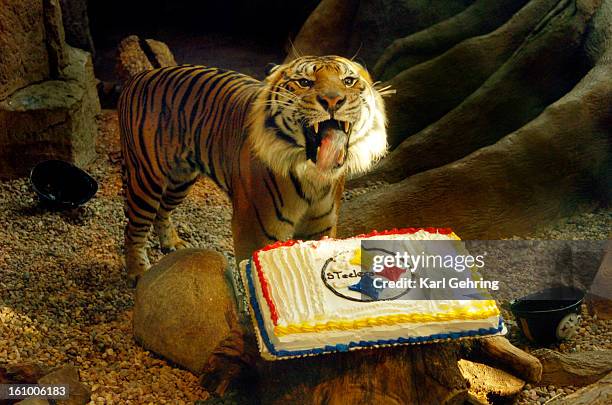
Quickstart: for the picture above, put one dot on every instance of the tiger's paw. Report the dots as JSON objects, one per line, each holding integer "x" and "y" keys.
{"x": 176, "y": 244}
{"x": 133, "y": 279}
{"x": 169, "y": 241}
{"x": 136, "y": 265}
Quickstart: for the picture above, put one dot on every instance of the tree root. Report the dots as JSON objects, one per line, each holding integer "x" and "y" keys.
{"x": 538, "y": 73}
{"x": 431, "y": 89}
{"x": 479, "y": 18}
{"x": 549, "y": 168}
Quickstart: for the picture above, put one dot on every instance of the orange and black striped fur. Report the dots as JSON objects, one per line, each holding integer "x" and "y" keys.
{"x": 280, "y": 147}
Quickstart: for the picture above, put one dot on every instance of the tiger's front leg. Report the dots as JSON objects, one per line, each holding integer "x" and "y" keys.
{"x": 253, "y": 230}
{"x": 234, "y": 358}
{"x": 321, "y": 217}
{"x": 315, "y": 227}
{"x": 173, "y": 196}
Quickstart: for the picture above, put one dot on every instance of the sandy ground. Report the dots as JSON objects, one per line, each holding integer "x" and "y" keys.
{"x": 64, "y": 296}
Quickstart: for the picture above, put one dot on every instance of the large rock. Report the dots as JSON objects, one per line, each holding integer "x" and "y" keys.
{"x": 52, "y": 119}
{"x": 135, "y": 55}
{"x": 23, "y": 51}
{"x": 68, "y": 375}
{"x": 180, "y": 307}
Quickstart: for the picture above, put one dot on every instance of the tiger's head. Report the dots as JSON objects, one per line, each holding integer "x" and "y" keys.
{"x": 319, "y": 117}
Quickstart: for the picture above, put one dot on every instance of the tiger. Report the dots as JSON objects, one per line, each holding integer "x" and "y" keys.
{"x": 281, "y": 148}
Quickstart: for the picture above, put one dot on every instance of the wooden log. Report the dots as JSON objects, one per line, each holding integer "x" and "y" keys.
{"x": 599, "y": 393}
{"x": 477, "y": 19}
{"x": 498, "y": 351}
{"x": 576, "y": 369}
{"x": 490, "y": 384}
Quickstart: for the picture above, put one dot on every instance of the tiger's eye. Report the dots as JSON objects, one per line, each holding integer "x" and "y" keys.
{"x": 305, "y": 83}
{"x": 349, "y": 81}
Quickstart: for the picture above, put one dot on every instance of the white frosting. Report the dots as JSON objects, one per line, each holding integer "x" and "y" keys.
{"x": 294, "y": 278}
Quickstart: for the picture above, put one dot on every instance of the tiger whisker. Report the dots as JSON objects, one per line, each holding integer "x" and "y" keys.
{"x": 387, "y": 88}
{"x": 287, "y": 94}
{"x": 289, "y": 107}
{"x": 387, "y": 93}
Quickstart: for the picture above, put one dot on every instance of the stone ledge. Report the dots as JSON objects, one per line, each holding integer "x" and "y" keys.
{"x": 53, "y": 119}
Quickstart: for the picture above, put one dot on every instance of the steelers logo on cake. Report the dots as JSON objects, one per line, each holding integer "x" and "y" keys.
{"x": 351, "y": 275}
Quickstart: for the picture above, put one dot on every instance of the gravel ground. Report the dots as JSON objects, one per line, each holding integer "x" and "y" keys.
{"x": 593, "y": 333}
{"x": 63, "y": 291}
{"x": 64, "y": 296}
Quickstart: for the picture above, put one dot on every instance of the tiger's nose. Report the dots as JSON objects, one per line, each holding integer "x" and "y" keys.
{"x": 331, "y": 101}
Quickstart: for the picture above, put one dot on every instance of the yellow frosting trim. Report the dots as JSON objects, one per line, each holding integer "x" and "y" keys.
{"x": 480, "y": 310}
{"x": 356, "y": 259}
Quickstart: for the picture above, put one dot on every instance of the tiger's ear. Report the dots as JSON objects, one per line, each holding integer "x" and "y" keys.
{"x": 271, "y": 68}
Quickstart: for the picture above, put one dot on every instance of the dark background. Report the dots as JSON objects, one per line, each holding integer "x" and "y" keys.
{"x": 270, "y": 20}
{"x": 235, "y": 34}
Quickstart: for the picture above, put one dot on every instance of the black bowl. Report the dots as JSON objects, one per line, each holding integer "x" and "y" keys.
{"x": 548, "y": 315}
{"x": 62, "y": 185}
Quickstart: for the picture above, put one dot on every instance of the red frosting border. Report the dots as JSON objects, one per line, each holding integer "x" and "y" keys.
{"x": 265, "y": 287}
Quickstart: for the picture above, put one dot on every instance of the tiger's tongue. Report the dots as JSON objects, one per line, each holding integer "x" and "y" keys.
{"x": 331, "y": 152}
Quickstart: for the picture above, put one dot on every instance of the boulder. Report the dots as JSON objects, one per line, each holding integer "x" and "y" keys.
{"x": 68, "y": 375}
{"x": 180, "y": 307}
{"x": 21, "y": 373}
{"x": 33, "y": 401}
{"x": 135, "y": 55}
{"x": 22, "y": 45}
{"x": 338, "y": 14}
{"x": 53, "y": 119}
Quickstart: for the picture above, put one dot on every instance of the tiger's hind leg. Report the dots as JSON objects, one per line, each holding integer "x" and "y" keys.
{"x": 173, "y": 196}
{"x": 141, "y": 212}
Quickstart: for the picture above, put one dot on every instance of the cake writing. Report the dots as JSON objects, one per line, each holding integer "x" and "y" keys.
{"x": 346, "y": 275}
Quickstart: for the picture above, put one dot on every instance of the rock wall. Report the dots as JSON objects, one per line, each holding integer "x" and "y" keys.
{"x": 22, "y": 45}
{"x": 48, "y": 98}
{"x": 76, "y": 24}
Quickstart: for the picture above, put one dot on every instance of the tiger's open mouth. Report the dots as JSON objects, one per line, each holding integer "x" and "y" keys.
{"x": 327, "y": 143}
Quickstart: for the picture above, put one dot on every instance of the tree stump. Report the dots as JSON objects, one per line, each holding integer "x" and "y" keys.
{"x": 417, "y": 374}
